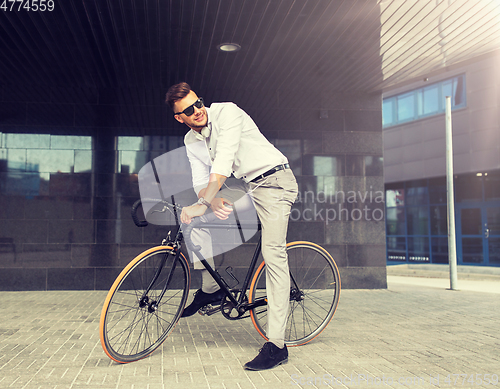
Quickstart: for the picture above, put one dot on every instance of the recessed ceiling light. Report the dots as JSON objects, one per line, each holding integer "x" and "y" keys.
{"x": 229, "y": 47}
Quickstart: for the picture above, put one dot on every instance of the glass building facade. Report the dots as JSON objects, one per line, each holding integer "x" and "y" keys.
{"x": 416, "y": 220}
{"x": 69, "y": 176}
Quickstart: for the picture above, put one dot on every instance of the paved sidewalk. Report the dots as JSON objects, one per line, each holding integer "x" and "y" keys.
{"x": 469, "y": 278}
{"x": 405, "y": 336}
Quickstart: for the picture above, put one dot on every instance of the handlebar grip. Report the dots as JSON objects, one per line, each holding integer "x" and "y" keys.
{"x": 195, "y": 223}
{"x": 138, "y": 223}
{"x": 187, "y": 234}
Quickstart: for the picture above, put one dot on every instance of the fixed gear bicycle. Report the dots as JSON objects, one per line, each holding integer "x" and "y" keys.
{"x": 147, "y": 299}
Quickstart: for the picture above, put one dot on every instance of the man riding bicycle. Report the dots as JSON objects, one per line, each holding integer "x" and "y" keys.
{"x": 224, "y": 140}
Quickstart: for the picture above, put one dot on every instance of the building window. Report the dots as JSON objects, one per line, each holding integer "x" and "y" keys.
{"x": 417, "y": 220}
{"x": 423, "y": 102}
{"x": 43, "y": 164}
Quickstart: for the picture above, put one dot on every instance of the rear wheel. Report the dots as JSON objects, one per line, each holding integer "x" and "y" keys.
{"x": 135, "y": 323}
{"x": 314, "y": 293}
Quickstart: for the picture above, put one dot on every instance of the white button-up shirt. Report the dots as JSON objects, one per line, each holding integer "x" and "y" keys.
{"x": 235, "y": 145}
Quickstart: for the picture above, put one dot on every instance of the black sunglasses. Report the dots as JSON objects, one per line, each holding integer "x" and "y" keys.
{"x": 190, "y": 110}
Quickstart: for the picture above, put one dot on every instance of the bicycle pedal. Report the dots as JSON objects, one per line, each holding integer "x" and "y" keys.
{"x": 208, "y": 310}
{"x": 213, "y": 311}
{"x": 203, "y": 310}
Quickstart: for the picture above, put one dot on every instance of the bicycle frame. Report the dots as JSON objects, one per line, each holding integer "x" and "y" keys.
{"x": 240, "y": 304}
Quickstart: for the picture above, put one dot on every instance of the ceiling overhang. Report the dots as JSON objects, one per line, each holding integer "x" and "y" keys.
{"x": 346, "y": 46}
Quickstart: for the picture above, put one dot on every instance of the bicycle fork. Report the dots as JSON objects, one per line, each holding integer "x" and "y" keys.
{"x": 144, "y": 300}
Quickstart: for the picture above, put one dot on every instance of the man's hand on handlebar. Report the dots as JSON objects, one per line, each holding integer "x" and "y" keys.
{"x": 219, "y": 207}
{"x": 192, "y": 211}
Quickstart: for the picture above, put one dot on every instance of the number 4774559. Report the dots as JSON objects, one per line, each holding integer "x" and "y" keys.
{"x": 27, "y": 5}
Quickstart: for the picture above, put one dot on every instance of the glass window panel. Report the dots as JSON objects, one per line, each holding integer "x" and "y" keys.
{"x": 406, "y": 107}
{"x": 439, "y": 220}
{"x": 396, "y": 248}
{"x": 83, "y": 161}
{"x": 471, "y": 221}
{"x": 395, "y": 219}
{"x": 387, "y": 111}
{"x": 133, "y": 161}
{"x": 51, "y": 161}
{"x": 418, "y": 249}
{"x": 330, "y": 186}
{"x": 437, "y": 190}
{"x": 156, "y": 142}
{"x": 174, "y": 142}
{"x": 492, "y": 186}
{"x": 130, "y": 143}
{"x": 20, "y": 183}
{"x": 374, "y": 166}
{"x": 459, "y": 91}
{"x": 70, "y": 142}
{"x": 355, "y": 165}
{"x": 439, "y": 250}
{"x": 468, "y": 187}
{"x": 493, "y": 217}
{"x": 417, "y": 195}
{"x": 472, "y": 250}
{"x": 494, "y": 251}
{"x": 326, "y": 166}
{"x": 420, "y": 102}
{"x": 44, "y": 189}
{"x": 291, "y": 148}
{"x": 27, "y": 141}
{"x": 447, "y": 88}
{"x": 418, "y": 220}
{"x": 431, "y": 100}
{"x": 3, "y": 160}
{"x": 395, "y": 197}
{"x": 15, "y": 159}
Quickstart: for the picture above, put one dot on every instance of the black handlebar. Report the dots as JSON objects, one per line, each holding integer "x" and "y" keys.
{"x": 196, "y": 223}
{"x": 135, "y": 218}
{"x": 138, "y": 203}
{"x": 186, "y": 228}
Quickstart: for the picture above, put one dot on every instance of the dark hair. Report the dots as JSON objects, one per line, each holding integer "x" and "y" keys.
{"x": 177, "y": 92}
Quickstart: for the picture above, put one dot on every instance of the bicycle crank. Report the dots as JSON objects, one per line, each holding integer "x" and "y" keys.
{"x": 231, "y": 311}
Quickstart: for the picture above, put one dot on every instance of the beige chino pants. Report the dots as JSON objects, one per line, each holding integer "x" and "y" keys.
{"x": 273, "y": 197}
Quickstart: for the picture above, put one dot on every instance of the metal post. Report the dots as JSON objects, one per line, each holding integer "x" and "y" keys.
{"x": 452, "y": 249}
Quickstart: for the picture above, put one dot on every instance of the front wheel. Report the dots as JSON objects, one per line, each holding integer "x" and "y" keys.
{"x": 314, "y": 293}
{"x": 135, "y": 318}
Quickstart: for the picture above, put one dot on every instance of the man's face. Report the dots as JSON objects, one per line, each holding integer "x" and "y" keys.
{"x": 198, "y": 119}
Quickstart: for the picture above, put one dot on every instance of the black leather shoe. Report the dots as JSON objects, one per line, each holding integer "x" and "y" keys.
{"x": 201, "y": 299}
{"x": 269, "y": 356}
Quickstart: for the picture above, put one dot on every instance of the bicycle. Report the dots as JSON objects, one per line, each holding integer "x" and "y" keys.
{"x": 148, "y": 297}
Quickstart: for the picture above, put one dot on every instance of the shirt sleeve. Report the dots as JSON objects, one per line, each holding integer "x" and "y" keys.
{"x": 200, "y": 171}
{"x": 230, "y": 126}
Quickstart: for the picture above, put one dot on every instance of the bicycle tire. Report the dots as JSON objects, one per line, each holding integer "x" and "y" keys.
{"x": 316, "y": 275}
{"x": 129, "y": 329}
